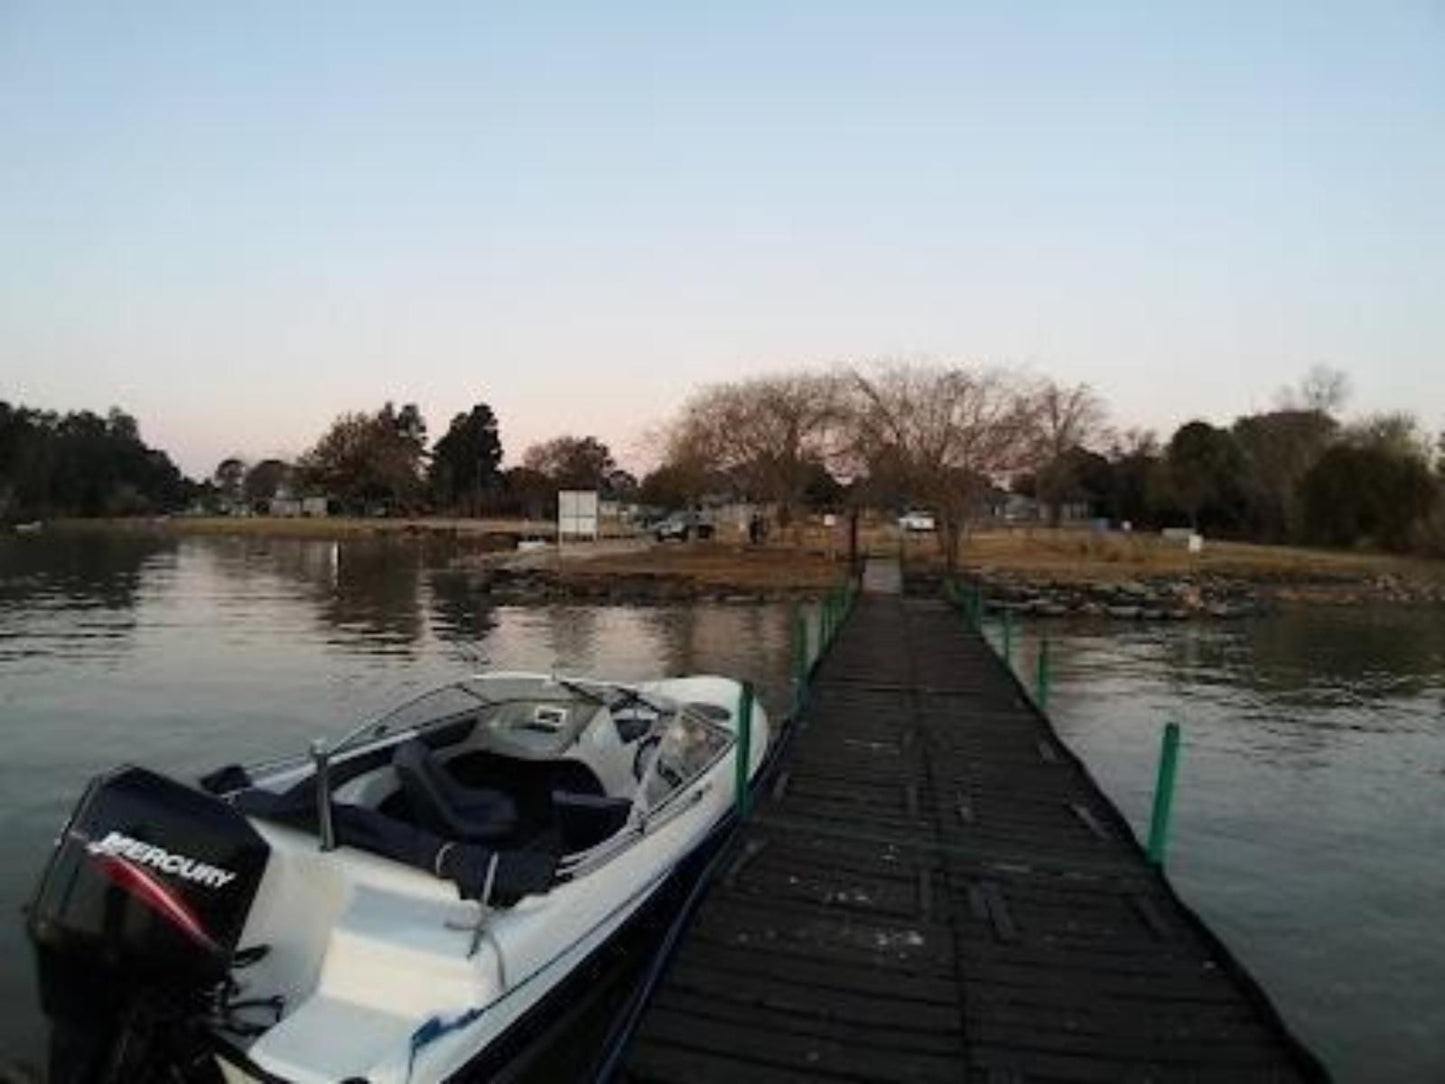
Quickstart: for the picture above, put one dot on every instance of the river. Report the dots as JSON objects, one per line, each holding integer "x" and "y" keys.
{"x": 1307, "y": 824}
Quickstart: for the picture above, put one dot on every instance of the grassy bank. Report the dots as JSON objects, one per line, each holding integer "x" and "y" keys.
{"x": 1085, "y": 556}
{"x": 807, "y": 557}
{"x": 712, "y": 566}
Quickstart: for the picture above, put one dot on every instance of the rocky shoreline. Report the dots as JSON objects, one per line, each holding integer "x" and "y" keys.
{"x": 1155, "y": 598}
{"x": 510, "y": 586}
{"x": 1181, "y": 598}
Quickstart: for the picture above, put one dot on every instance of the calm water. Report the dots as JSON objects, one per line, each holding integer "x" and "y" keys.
{"x": 1308, "y": 822}
{"x": 1309, "y": 817}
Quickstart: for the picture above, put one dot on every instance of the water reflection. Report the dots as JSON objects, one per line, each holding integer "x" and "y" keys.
{"x": 459, "y": 612}
{"x": 1361, "y": 655}
{"x": 375, "y": 599}
{"x": 365, "y": 594}
{"x": 1346, "y": 657}
{"x": 82, "y": 569}
{"x": 71, "y": 593}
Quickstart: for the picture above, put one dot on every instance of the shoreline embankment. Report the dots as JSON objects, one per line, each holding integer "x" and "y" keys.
{"x": 1035, "y": 572}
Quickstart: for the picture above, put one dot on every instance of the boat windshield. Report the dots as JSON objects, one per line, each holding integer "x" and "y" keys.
{"x": 523, "y": 715}
{"x": 450, "y": 703}
{"x": 688, "y": 745}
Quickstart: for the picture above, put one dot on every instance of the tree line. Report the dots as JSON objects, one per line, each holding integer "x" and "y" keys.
{"x": 81, "y": 464}
{"x": 956, "y": 439}
{"x": 366, "y": 463}
{"x": 959, "y": 439}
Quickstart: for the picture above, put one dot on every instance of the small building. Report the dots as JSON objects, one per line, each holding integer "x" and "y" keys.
{"x": 289, "y": 507}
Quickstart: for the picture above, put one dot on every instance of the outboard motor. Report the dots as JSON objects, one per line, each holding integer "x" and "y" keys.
{"x": 136, "y": 923}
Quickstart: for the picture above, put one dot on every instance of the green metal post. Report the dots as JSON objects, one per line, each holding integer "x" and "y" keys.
{"x": 800, "y": 660}
{"x": 1164, "y": 794}
{"x": 1042, "y": 677}
{"x": 744, "y": 749}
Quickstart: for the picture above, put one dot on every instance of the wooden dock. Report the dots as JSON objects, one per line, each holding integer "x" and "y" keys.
{"x": 931, "y": 888}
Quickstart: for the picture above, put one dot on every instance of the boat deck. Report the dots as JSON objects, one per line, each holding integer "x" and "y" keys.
{"x": 931, "y": 888}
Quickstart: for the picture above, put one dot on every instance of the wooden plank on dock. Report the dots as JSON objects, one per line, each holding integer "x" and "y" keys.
{"x": 934, "y": 888}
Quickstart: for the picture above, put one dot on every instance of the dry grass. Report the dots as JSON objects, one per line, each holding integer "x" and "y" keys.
{"x": 715, "y": 564}
{"x": 1085, "y": 556}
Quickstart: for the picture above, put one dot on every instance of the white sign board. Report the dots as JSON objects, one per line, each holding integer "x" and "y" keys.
{"x": 576, "y": 513}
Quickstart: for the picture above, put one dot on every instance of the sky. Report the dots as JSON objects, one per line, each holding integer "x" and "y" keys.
{"x": 238, "y": 220}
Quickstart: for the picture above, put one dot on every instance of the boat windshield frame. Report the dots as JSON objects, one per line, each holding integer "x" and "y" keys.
{"x": 389, "y": 723}
{"x": 722, "y": 740}
{"x": 472, "y": 699}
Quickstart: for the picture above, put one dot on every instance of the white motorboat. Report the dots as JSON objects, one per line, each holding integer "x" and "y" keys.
{"x": 390, "y": 909}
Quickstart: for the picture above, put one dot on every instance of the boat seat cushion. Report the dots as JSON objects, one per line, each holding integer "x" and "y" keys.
{"x": 585, "y": 820}
{"x": 444, "y": 806}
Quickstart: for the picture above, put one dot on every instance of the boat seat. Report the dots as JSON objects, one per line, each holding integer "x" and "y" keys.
{"x": 444, "y": 806}
{"x": 585, "y": 820}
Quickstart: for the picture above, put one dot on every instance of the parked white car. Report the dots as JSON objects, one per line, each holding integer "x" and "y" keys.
{"x": 916, "y": 521}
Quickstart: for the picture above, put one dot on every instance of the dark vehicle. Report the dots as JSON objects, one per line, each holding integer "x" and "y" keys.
{"x": 682, "y": 527}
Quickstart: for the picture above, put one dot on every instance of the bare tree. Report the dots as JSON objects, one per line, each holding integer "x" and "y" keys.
{"x": 1067, "y": 417}
{"x": 1323, "y": 389}
{"x": 1278, "y": 449}
{"x": 768, "y": 433}
{"x": 940, "y": 434}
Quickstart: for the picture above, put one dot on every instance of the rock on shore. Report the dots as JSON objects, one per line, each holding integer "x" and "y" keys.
{"x": 1177, "y": 598}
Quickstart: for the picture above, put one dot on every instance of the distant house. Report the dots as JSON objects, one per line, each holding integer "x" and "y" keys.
{"x": 1016, "y": 508}
{"x": 289, "y": 507}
